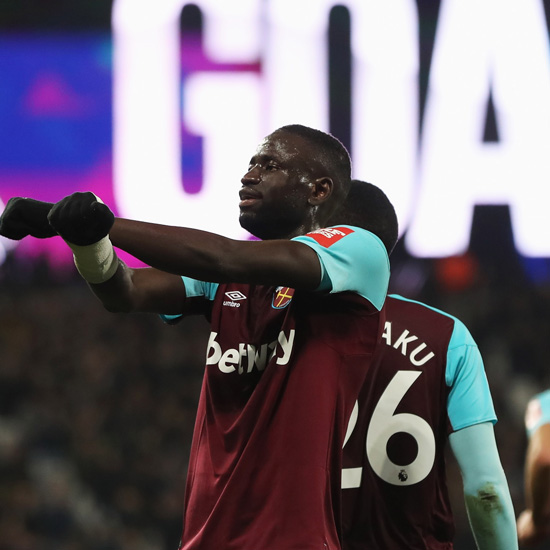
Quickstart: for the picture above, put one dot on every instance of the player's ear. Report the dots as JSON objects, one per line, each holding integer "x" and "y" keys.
{"x": 321, "y": 190}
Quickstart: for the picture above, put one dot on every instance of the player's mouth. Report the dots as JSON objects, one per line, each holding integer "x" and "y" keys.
{"x": 248, "y": 197}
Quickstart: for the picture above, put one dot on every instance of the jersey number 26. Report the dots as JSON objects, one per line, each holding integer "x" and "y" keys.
{"x": 383, "y": 424}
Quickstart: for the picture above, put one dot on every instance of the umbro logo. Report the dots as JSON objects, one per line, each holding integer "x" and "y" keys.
{"x": 234, "y": 297}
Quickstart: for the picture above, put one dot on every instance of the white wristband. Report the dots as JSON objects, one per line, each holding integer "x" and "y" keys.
{"x": 96, "y": 262}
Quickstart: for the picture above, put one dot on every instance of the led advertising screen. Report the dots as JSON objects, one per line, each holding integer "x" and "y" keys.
{"x": 159, "y": 118}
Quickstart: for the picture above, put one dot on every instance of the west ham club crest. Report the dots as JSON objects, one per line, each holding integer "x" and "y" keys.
{"x": 282, "y": 297}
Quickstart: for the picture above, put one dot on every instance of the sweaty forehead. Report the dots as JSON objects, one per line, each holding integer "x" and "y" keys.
{"x": 285, "y": 146}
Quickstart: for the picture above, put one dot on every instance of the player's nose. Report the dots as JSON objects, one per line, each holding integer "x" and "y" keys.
{"x": 252, "y": 177}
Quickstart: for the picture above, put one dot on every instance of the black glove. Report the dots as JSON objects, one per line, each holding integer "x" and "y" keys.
{"x": 81, "y": 219}
{"x": 23, "y": 217}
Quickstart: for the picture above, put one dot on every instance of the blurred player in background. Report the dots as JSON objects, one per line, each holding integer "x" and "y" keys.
{"x": 291, "y": 318}
{"x": 534, "y": 522}
{"x": 429, "y": 387}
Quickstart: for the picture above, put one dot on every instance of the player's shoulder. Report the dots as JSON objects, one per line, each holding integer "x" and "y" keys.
{"x": 543, "y": 395}
{"x": 344, "y": 235}
{"x": 538, "y": 411}
{"x": 540, "y": 400}
{"x": 399, "y": 301}
{"x": 352, "y": 259}
{"x": 460, "y": 333}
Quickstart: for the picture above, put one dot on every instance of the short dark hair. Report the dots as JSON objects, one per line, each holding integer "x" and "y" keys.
{"x": 332, "y": 153}
{"x": 368, "y": 207}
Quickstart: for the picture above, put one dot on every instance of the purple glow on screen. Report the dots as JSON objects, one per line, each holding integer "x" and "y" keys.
{"x": 56, "y": 132}
{"x": 56, "y": 117}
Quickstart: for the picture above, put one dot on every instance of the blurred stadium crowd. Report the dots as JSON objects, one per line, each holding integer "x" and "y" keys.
{"x": 96, "y": 418}
{"x": 97, "y": 409}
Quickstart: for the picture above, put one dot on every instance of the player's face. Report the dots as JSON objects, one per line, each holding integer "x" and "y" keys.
{"x": 276, "y": 189}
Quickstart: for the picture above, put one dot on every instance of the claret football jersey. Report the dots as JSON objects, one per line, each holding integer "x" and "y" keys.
{"x": 283, "y": 371}
{"x": 427, "y": 382}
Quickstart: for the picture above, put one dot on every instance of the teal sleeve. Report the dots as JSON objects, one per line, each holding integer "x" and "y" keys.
{"x": 538, "y": 412}
{"x": 352, "y": 259}
{"x": 193, "y": 289}
{"x": 486, "y": 492}
{"x": 469, "y": 400}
